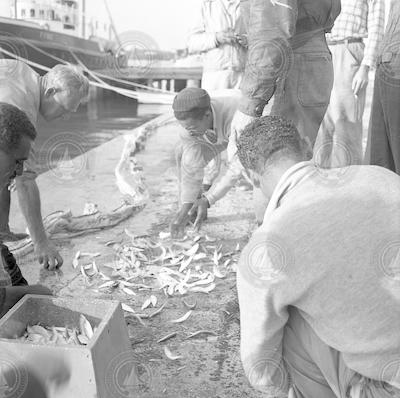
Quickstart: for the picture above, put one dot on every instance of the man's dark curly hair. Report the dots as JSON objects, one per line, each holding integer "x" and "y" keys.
{"x": 13, "y": 125}
{"x": 265, "y": 137}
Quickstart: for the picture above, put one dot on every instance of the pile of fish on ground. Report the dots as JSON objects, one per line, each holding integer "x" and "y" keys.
{"x": 192, "y": 264}
{"x": 38, "y": 334}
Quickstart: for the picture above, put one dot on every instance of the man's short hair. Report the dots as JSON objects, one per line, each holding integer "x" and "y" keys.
{"x": 68, "y": 78}
{"x": 268, "y": 136}
{"x": 14, "y": 123}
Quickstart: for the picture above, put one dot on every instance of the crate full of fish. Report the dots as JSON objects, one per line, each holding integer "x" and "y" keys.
{"x": 62, "y": 345}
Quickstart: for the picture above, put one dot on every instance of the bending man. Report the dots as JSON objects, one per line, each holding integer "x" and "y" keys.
{"x": 54, "y": 95}
{"x": 319, "y": 281}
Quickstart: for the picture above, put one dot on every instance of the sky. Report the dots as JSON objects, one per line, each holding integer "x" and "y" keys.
{"x": 166, "y": 21}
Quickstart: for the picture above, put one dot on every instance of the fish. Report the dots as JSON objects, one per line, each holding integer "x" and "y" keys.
{"x": 200, "y": 289}
{"x": 167, "y": 337}
{"x": 128, "y": 291}
{"x": 218, "y": 273}
{"x": 128, "y": 308}
{"x": 185, "y": 264}
{"x": 183, "y": 318}
{"x": 164, "y": 235}
{"x": 193, "y": 250}
{"x": 129, "y": 234}
{"x": 190, "y": 306}
{"x": 85, "y": 327}
{"x": 147, "y": 303}
{"x": 158, "y": 311}
{"x": 199, "y": 256}
{"x": 170, "y": 355}
{"x": 108, "y": 284}
{"x": 215, "y": 258}
{"x": 91, "y": 255}
{"x": 195, "y": 334}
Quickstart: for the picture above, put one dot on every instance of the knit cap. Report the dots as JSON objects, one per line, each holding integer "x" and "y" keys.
{"x": 191, "y": 98}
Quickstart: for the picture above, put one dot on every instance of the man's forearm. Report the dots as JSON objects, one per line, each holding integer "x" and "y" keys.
{"x": 270, "y": 27}
{"x": 29, "y": 201}
{"x": 221, "y": 188}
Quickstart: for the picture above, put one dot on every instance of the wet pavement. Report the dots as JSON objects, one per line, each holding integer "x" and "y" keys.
{"x": 210, "y": 365}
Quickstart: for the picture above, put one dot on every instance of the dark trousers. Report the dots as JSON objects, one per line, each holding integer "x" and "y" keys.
{"x": 11, "y": 267}
{"x": 384, "y": 143}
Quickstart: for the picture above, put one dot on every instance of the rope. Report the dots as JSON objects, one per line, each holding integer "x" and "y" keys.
{"x": 125, "y": 92}
{"x": 127, "y": 82}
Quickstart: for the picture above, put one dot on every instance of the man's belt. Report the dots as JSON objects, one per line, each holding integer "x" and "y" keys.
{"x": 345, "y": 41}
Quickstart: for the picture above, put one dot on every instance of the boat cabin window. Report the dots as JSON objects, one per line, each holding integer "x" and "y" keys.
{"x": 33, "y": 13}
{"x": 41, "y": 13}
{"x": 23, "y": 13}
{"x": 51, "y": 15}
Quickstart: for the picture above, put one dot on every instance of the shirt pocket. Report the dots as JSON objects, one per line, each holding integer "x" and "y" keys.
{"x": 315, "y": 80}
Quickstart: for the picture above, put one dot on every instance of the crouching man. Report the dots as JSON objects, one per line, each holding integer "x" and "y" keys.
{"x": 206, "y": 121}
{"x": 319, "y": 281}
{"x": 16, "y": 137}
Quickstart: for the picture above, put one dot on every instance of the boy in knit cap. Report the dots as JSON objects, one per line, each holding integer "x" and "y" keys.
{"x": 206, "y": 120}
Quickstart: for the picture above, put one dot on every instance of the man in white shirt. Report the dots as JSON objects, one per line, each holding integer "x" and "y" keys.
{"x": 219, "y": 34}
{"x": 54, "y": 95}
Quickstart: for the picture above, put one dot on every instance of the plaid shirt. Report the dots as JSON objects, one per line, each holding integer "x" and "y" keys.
{"x": 361, "y": 18}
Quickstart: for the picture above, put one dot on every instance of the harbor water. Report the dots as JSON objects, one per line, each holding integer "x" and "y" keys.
{"x": 95, "y": 123}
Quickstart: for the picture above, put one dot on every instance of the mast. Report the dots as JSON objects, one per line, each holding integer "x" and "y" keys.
{"x": 15, "y": 9}
{"x": 112, "y": 23}
{"x": 83, "y": 21}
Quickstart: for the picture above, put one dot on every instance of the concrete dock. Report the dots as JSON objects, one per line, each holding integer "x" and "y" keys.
{"x": 210, "y": 365}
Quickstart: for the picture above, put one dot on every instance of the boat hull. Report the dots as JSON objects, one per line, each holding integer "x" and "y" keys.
{"x": 49, "y": 48}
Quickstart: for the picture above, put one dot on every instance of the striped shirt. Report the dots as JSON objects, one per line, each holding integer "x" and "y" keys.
{"x": 361, "y": 19}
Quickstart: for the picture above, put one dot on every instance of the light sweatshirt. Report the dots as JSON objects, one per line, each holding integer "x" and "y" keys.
{"x": 329, "y": 246}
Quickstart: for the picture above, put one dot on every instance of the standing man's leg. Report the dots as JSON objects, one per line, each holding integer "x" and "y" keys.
{"x": 339, "y": 140}
{"x": 379, "y": 149}
{"x": 304, "y": 95}
{"x": 389, "y": 74}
